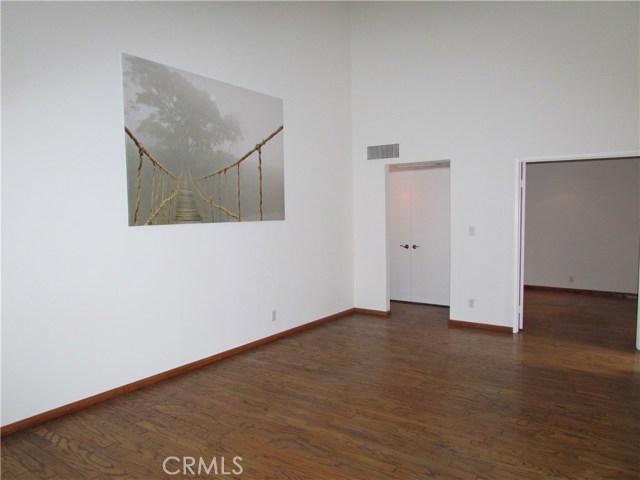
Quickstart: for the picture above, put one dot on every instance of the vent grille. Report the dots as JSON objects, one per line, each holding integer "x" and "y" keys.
{"x": 378, "y": 152}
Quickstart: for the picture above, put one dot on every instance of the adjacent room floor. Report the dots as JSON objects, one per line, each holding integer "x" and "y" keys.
{"x": 365, "y": 397}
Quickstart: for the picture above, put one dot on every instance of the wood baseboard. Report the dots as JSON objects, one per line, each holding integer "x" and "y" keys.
{"x": 596, "y": 293}
{"x": 366, "y": 311}
{"x": 481, "y": 326}
{"x": 116, "y": 392}
{"x": 421, "y": 303}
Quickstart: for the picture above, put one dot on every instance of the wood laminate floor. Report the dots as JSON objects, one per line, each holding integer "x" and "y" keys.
{"x": 373, "y": 398}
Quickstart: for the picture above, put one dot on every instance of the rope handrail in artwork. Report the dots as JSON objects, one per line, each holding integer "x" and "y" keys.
{"x": 146, "y": 152}
{"x": 160, "y": 208}
{"x": 164, "y": 187}
{"x": 222, "y": 190}
{"x": 212, "y": 202}
{"x": 244, "y": 157}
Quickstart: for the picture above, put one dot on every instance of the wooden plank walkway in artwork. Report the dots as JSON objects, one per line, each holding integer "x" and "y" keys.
{"x": 366, "y": 397}
{"x": 186, "y": 210}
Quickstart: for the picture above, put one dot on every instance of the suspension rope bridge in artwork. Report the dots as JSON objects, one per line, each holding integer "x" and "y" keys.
{"x": 172, "y": 199}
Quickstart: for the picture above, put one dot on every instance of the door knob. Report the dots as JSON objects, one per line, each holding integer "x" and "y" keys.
{"x": 415, "y": 246}
{"x": 405, "y": 246}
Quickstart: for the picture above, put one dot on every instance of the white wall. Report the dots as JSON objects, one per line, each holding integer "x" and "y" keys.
{"x": 483, "y": 84}
{"x": 583, "y": 221}
{"x": 89, "y": 303}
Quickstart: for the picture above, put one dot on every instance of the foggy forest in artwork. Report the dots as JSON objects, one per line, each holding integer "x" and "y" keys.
{"x": 199, "y": 150}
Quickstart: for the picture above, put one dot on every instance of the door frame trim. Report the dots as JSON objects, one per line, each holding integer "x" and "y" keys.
{"x": 519, "y": 224}
{"x": 443, "y": 163}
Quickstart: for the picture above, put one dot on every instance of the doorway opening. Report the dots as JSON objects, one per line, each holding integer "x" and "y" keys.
{"x": 419, "y": 232}
{"x": 579, "y": 220}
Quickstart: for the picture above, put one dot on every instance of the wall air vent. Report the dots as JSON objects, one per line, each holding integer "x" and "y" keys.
{"x": 378, "y": 152}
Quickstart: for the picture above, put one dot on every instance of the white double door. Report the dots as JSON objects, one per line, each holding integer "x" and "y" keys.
{"x": 419, "y": 209}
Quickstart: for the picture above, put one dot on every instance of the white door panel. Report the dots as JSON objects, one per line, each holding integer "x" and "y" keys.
{"x": 431, "y": 235}
{"x": 400, "y": 234}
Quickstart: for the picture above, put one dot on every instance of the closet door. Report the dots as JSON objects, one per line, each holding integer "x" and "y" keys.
{"x": 430, "y": 236}
{"x": 419, "y": 209}
{"x": 400, "y": 235}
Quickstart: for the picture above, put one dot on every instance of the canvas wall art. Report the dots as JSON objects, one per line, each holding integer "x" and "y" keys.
{"x": 199, "y": 150}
